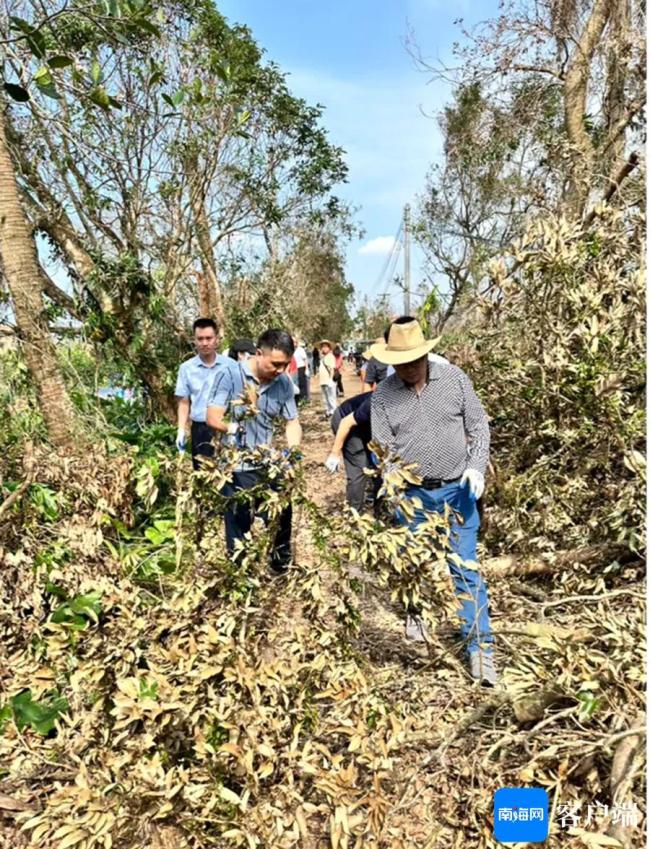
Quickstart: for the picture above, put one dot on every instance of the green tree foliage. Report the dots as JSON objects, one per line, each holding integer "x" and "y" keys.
{"x": 143, "y": 161}
{"x": 547, "y": 117}
{"x": 372, "y": 318}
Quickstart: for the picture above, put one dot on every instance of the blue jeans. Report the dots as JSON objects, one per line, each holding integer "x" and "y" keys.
{"x": 470, "y": 587}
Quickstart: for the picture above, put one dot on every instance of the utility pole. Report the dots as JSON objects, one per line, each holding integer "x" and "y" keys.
{"x": 407, "y": 260}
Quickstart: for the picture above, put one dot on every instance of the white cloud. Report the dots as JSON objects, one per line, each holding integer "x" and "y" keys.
{"x": 380, "y": 245}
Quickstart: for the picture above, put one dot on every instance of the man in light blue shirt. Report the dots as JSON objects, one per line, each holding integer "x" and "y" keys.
{"x": 261, "y": 382}
{"x": 195, "y": 378}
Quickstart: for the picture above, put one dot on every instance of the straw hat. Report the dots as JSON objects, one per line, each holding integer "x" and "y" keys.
{"x": 406, "y": 343}
{"x": 325, "y": 342}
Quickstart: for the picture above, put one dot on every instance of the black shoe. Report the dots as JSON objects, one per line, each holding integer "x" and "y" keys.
{"x": 277, "y": 569}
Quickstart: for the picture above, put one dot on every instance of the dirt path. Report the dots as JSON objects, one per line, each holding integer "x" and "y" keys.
{"x": 432, "y": 674}
{"x": 382, "y": 630}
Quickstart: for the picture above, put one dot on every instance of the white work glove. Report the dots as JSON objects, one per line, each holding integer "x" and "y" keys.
{"x": 332, "y": 463}
{"x": 181, "y": 440}
{"x": 233, "y": 428}
{"x": 475, "y": 481}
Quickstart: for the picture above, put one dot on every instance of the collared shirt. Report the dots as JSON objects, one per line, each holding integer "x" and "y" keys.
{"x": 274, "y": 400}
{"x": 432, "y": 429}
{"x": 195, "y": 381}
{"x": 375, "y": 371}
{"x": 301, "y": 357}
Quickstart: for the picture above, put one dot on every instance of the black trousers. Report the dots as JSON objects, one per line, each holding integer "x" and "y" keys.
{"x": 202, "y": 445}
{"x": 239, "y": 518}
{"x": 303, "y": 384}
{"x": 356, "y": 458}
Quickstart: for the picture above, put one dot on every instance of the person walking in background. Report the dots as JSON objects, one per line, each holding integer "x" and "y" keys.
{"x": 292, "y": 372}
{"x": 428, "y": 414}
{"x": 300, "y": 356}
{"x": 315, "y": 358}
{"x": 338, "y": 371}
{"x": 242, "y": 350}
{"x": 262, "y": 378}
{"x": 351, "y": 426}
{"x": 326, "y": 377}
{"x": 374, "y": 371}
{"x": 193, "y": 384}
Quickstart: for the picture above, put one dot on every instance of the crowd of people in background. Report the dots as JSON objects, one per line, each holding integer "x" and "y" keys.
{"x": 414, "y": 404}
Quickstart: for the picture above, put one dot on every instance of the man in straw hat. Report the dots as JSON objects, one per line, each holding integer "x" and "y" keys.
{"x": 428, "y": 413}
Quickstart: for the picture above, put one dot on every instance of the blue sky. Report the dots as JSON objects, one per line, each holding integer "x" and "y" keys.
{"x": 349, "y": 55}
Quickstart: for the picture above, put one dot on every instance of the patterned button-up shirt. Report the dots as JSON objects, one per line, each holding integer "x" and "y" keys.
{"x": 274, "y": 400}
{"x": 194, "y": 381}
{"x": 444, "y": 429}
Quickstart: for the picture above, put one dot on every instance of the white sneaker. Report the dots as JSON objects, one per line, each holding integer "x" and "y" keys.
{"x": 482, "y": 668}
{"x": 415, "y": 629}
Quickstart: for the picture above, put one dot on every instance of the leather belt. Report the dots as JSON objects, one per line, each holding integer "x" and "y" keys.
{"x": 436, "y": 483}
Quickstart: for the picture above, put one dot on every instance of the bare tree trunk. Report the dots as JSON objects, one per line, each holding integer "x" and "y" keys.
{"x": 617, "y": 69}
{"x": 209, "y": 289}
{"x": 23, "y": 274}
{"x": 576, "y": 85}
{"x": 205, "y": 304}
{"x": 208, "y": 263}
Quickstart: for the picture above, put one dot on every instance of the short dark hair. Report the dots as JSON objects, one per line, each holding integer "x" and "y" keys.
{"x": 276, "y": 340}
{"x": 241, "y": 346}
{"x": 205, "y": 322}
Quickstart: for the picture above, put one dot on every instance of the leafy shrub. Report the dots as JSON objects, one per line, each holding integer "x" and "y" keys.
{"x": 560, "y": 361}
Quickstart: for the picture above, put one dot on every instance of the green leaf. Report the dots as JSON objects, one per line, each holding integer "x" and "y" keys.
{"x": 5, "y": 715}
{"x": 55, "y": 590}
{"x": 76, "y": 612}
{"x": 147, "y": 26}
{"x": 588, "y": 704}
{"x": 223, "y": 72}
{"x": 88, "y": 605}
{"x": 44, "y": 498}
{"x": 50, "y": 91}
{"x": 59, "y": 61}
{"x": 21, "y": 24}
{"x": 39, "y": 715}
{"x": 147, "y": 690}
{"x": 116, "y": 104}
{"x": 155, "y": 78}
{"x": 100, "y": 96}
{"x": 43, "y": 76}
{"x": 178, "y": 97}
{"x": 16, "y": 92}
{"x": 168, "y": 100}
{"x": 96, "y": 72}
{"x": 37, "y": 44}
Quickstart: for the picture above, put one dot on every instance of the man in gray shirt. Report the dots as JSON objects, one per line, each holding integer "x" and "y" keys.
{"x": 428, "y": 413}
{"x": 269, "y": 391}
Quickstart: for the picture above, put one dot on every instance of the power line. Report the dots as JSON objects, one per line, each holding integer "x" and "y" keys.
{"x": 391, "y": 274}
{"x": 391, "y": 258}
